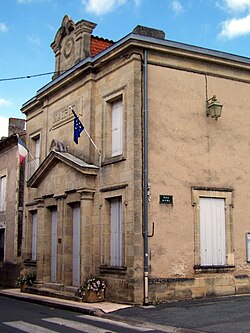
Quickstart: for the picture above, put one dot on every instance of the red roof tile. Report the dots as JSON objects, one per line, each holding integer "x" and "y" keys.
{"x": 98, "y": 45}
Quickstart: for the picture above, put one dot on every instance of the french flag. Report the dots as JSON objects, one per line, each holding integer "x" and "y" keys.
{"x": 22, "y": 150}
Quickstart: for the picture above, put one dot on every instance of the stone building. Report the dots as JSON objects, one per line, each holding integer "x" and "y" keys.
{"x": 11, "y": 204}
{"x": 162, "y": 212}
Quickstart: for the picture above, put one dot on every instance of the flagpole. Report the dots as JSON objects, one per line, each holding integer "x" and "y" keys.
{"x": 90, "y": 139}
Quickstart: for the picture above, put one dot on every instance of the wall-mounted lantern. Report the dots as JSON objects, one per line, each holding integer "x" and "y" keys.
{"x": 213, "y": 108}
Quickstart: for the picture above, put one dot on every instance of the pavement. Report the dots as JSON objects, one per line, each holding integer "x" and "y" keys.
{"x": 99, "y": 308}
{"x": 224, "y": 314}
{"x": 108, "y": 309}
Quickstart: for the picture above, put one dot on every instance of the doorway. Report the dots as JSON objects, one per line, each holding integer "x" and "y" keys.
{"x": 76, "y": 245}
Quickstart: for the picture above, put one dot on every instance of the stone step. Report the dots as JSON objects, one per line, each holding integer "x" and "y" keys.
{"x": 67, "y": 295}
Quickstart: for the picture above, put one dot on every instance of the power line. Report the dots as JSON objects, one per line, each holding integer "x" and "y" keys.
{"x": 28, "y": 76}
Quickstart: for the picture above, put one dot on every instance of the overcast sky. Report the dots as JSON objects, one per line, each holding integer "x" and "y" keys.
{"x": 28, "y": 27}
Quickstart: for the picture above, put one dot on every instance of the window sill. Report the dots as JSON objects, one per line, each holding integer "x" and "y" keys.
{"x": 115, "y": 159}
{"x": 213, "y": 269}
{"x": 113, "y": 269}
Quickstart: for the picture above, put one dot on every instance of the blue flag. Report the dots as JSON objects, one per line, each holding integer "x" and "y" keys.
{"x": 78, "y": 127}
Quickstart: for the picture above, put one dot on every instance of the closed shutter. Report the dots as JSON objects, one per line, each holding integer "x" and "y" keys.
{"x": 37, "y": 152}
{"x": 117, "y": 128}
{"x": 116, "y": 232}
{"x": 3, "y": 193}
{"x": 76, "y": 245}
{"x": 212, "y": 232}
{"x": 53, "y": 244}
{"x": 34, "y": 235}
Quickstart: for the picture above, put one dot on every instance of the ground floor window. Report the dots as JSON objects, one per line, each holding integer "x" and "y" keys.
{"x": 34, "y": 235}
{"x": 116, "y": 231}
{"x": 213, "y": 227}
{"x": 53, "y": 267}
{"x": 76, "y": 240}
{"x": 212, "y": 231}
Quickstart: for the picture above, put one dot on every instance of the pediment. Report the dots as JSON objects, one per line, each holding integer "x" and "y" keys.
{"x": 68, "y": 159}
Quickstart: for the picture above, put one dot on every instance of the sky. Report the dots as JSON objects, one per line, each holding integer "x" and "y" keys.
{"x": 28, "y": 27}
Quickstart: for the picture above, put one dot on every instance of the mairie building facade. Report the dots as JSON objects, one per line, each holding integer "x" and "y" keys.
{"x": 157, "y": 201}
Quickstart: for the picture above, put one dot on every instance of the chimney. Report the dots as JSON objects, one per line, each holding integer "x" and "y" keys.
{"x": 16, "y": 125}
{"x": 150, "y": 32}
{"x": 72, "y": 43}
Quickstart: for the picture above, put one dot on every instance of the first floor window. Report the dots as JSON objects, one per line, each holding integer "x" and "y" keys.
{"x": 34, "y": 162}
{"x": 3, "y": 193}
{"x": 117, "y": 132}
{"x": 37, "y": 150}
{"x": 116, "y": 231}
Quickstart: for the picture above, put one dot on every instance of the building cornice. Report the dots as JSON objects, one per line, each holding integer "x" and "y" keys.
{"x": 135, "y": 41}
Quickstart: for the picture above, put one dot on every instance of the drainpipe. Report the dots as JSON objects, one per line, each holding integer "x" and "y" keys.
{"x": 145, "y": 174}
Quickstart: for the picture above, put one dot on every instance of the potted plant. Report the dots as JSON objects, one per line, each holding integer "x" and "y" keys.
{"x": 25, "y": 280}
{"x": 21, "y": 282}
{"x": 93, "y": 290}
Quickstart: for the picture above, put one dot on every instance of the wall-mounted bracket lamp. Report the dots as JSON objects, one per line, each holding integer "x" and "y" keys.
{"x": 213, "y": 108}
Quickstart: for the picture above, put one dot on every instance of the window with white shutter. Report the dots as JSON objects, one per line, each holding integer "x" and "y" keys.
{"x": 212, "y": 232}
{"x": 37, "y": 151}
{"x": 53, "y": 267}
{"x": 116, "y": 231}
{"x": 34, "y": 235}
{"x": 3, "y": 180}
{"x": 213, "y": 228}
{"x": 76, "y": 259}
{"x": 116, "y": 128}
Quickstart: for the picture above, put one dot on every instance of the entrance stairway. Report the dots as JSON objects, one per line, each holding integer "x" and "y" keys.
{"x": 54, "y": 290}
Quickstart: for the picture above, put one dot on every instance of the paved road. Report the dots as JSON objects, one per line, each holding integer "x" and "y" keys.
{"x": 217, "y": 315}
{"x": 19, "y": 316}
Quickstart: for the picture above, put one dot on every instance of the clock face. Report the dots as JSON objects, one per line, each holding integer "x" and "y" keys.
{"x": 68, "y": 47}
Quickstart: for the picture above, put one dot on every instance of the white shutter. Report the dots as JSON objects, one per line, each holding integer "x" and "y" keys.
{"x": 37, "y": 152}
{"x": 53, "y": 244}
{"x": 117, "y": 128}
{"x": 3, "y": 193}
{"x": 212, "y": 231}
{"x": 76, "y": 246}
{"x": 34, "y": 235}
{"x": 116, "y": 232}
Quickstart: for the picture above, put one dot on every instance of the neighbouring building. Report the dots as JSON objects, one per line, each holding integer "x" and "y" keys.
{"x": 162, "y": 212}
{"x": 11, "y": 204}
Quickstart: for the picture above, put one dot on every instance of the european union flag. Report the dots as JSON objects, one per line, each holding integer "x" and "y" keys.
{"x": 78, "y": 127}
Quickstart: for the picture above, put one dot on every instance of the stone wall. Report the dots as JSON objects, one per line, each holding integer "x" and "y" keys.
{"x": 187, "y": 288}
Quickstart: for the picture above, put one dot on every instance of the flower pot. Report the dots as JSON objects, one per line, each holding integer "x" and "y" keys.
{"x": 91, "y": 296}
{"x": 22, "y": 287}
